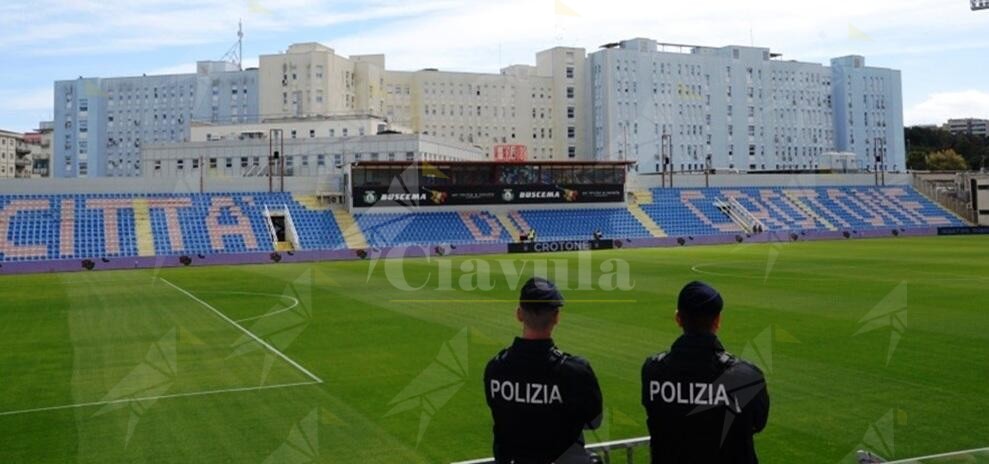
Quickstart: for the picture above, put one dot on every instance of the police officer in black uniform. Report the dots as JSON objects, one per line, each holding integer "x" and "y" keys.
{"x": 541, "y": 398}
{"x": 703, "y": 405}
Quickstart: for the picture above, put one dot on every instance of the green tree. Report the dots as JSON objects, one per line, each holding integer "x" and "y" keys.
{"x": 917, "y": 160}
{"x": 946, "y": 160}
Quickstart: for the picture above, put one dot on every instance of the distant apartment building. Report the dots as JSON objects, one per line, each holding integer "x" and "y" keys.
{"x": 736, "y": 108}
{"x": 41, "y": 153}
{"x": 12, "y": 150}
{"x": 101, "y": 123}
{"x": 969, "y": 126}
{"x": 38, "y": 143}
{"x": 536, "y": 107}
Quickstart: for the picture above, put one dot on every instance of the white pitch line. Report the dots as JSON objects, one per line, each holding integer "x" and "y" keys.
{"x": 247, "y": 332}
{"x": 160, "y": 397}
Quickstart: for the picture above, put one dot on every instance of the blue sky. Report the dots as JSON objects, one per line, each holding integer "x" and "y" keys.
{"x": 940, "y": 45}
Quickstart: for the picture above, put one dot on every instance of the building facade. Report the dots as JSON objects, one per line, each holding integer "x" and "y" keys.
{"x": 296, "y": 128}
{"x": 320, "y": 156}
{"x": 729, "y": 108}
{"x": 540, "y": 108}
{"x": 310, "y": 79}
{"x": 868, "y": 113}
{"x": 101, "y": 123}
{"x": 12, "y": 149}
{"x": 969, "y": 126}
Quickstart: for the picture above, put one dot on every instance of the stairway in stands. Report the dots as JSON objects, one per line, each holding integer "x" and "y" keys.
{"x": 142, "y": 227}
{"x": 352, "y": 234}
{"x": 794, "y": 197}
{"x": 509, "y": 225}
{"x": 644, "y": 197}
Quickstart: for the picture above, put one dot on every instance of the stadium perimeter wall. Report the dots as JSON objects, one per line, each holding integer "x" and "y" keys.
{"x": 181, "y": 185}
{"x": 331, "y": 183}
{"x": 767, "y": 180}
{"x": 71, "y": 265}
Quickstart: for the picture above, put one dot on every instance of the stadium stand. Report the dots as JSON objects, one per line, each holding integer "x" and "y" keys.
{"x": 414, "y": 228}
{"x": 44, "y": 227}
{"x": 48, "y": 227}
{"x": 581, "y": 223}
{"x": 693, "y": 211}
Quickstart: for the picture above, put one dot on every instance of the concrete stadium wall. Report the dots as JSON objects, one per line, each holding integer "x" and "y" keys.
{"x": 75, "y": 265}
{"x": 163, "y": 185}
{"x": 767, "y": 180}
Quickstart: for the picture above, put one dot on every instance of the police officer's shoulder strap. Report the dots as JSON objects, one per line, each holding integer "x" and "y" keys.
{"x": 561, "y": 359}
{"x": 659, "y": 357}
{"x": 726, "y": 359}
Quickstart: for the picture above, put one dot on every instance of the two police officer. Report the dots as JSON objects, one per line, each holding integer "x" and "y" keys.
{"x": 703, "y": 405}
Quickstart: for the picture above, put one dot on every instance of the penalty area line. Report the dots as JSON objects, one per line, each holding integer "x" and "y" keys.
{"x": 159, "y": 397}
{"x": 246, "y": 332}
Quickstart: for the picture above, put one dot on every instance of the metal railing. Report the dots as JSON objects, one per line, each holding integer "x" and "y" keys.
{"x": 608, "y": 451}
{"x": 948, "y": 200}
{"x": 293, "y": 234}
{"x": 741, "y": 216}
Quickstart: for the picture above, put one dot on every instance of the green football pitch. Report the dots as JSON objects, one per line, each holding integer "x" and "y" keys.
{"x": 876, "y": 344}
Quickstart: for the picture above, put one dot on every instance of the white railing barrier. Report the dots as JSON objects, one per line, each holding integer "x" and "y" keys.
{"x": 293, "y": 235}
{"x": 271, "y": 227}
{"x": 738, "y": 214}
{"x": 750, "y": 218}
{"x": 604, "y": 449}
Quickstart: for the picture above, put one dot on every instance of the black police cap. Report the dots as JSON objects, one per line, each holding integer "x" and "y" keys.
{"x": 539, "y": 292}
{"x": 700, "y": 299}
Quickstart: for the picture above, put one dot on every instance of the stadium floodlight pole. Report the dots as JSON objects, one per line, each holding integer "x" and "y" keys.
{"x": 274, "y": 154}
{"x": 707, "y": 171}
{"x": 665, "y": 155}
{"x": 882, "y": 154}
{"x": 270, "y": 142}
{"x": 875, "y": 160}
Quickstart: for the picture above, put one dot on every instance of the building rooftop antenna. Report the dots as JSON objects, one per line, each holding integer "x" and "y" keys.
{"x": 236, "y": 53}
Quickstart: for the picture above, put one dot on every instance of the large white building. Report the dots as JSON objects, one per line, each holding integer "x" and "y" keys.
{"x": 733, "y": 108}
{"x": 868, "y": 113}
{"x": 742, "y": 108}
{"x": 101, "y": 123}
{"x": 539, "y": 107}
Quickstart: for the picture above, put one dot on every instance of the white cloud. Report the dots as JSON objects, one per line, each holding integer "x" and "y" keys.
{"x": 68, "y": 27}
{"x": 939, "y": 107}
{"x": 480, "y": 35}
{"x": 473, "y": 34}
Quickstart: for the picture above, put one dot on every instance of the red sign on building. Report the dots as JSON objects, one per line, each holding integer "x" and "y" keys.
{"x": 510, "y": 153}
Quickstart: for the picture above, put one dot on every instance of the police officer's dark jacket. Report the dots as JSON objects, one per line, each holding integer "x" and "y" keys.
{"x": 541, "y": 399}
{"x": 703, "y": 405}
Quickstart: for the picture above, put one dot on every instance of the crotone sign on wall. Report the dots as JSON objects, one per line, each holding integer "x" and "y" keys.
{"x": 565, "y": 245}
{"x": 442, "y": 195}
